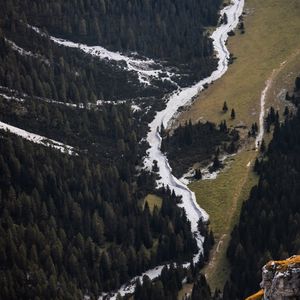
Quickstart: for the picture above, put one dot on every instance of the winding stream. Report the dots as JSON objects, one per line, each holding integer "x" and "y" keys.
{"x": 192, "y": 209}
{"x": 181, "y": 98}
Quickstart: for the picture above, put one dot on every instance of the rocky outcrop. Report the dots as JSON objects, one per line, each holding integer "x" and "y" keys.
{"x": 281, "y": 279}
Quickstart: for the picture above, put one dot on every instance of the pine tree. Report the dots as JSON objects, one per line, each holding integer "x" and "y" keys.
{"x": 198, "y": 174}
{"x": 225, "y": 107}
{"x": 286, "y": 111}
{"x": 232, "y": 115}
{"x": 201, "y": 289}
{"x": 297, "y": 84}
{"x": 262, "y": 146}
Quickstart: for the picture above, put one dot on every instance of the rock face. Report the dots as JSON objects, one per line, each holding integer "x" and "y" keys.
{"x": 281, "y": 279}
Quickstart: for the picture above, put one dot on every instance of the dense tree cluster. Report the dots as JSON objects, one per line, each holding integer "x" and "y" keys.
{"x": 170, "y": 282}
{"x": 98, "y": 131}
{"x": 201, "y": 290}
{"x": 75, "y": 225}
{"x": 269, "y": 225}
{"x": 194, "y": 143}
{"x": 61, "y": 73}
{"x": 71, "y": 227}
{"x": 295, "y": 96}
{"x": 41, "y": 68}
{"x": 271, "y": 119}
{"x": 171, "y": 30}
{"x": 166, "y": 287}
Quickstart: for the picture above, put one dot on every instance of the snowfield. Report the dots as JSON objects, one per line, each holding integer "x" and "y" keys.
{"x": 145, "y": 68}
{"x": 187, "y": 178}
{"x": 24, "y": 52}
{"x": 10, "y": 94}
{"x": 164, "y": 117}
{"x": 38, "y": 139}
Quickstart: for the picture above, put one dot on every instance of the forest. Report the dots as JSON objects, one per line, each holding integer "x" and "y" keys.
{"x": 200, "y": 143}
{"x": 269, "y": 224}
{"x": 172, "y": 30}
{"x": 59, "y": 73}
{"x": 167, "y": 286}
{"x": 173, "y": 277}
{"x": 70, "y": 226}
{"x": 75, "y": 226}
{"x": 99, "y": 132}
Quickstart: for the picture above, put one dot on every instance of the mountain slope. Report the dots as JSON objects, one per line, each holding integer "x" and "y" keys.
{"x": 171, "y": 31}
{"x": 75, "y": 223}
{"x": 269, "y": 222}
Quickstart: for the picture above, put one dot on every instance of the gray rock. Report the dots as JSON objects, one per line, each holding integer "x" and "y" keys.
{"x": 281, "y": 280}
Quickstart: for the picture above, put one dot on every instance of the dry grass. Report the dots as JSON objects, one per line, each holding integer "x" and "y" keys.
{"x": 271, "y": 45}
{"x": 186, "y": 290}
{"x": 153, "y": 201}
{"x": 272, "y": 36}
{"x": 222, "y": 199}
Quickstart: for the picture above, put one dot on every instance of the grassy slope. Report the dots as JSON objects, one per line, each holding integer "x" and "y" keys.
{"x": 222, "y": 199}
{"x": 272, "y": 37}
{"x": 153, "y": 201}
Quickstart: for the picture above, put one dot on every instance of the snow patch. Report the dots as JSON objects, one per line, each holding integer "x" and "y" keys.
{"x": 11, "y": 98}
{"x": 89, "y": 105}
{"x": 38, "y": 139}
{"x": 261, "y": 130}
{"x": 145, "y": 68}
{"x": 188, "y": 177}
{"x": 24, "y": 52}
{"x": 135, "y": 108}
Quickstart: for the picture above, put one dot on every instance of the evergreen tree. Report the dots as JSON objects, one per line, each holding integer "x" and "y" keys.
{"x": 232, "y": 115}
{"x": 225, "y": 107}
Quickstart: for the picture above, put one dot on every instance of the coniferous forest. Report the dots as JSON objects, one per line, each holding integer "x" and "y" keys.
{"x": 161, "y": 29}
{"x": 269, "y": 224}
{"x": 171, "y": 31}
{"x": 198, "y": 143}
{"x": 71, "y": 221}
{"x": 75, "y": 225}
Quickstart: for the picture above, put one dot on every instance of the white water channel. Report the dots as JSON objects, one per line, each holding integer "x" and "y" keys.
{"x": 178, "y": 99}
{"x": 145, "y": 68}
{"x": 193, "y": 211}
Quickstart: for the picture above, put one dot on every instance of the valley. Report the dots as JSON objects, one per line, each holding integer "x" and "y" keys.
{"x": 111, "y": 121}
{"x": 267, "y": 51}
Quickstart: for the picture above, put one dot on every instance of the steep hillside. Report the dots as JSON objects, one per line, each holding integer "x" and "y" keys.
{"x": 269, "y": 223}
{"x": 171, "y": 31}
{"x": 73, "y": 220}
{"x": 276, "y": 53}
{"x": 71, "y": 226}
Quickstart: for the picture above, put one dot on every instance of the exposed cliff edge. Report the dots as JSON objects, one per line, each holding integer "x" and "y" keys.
{"x": 280, "y": 280}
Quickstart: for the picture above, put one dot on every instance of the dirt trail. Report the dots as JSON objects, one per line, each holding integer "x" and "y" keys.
{"x": 217, "y": 250}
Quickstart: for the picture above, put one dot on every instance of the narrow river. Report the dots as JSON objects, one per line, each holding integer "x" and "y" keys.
{"x": 180, "y": 98}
